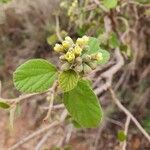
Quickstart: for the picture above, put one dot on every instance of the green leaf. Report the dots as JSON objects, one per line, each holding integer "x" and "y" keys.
{"x": 105, "y": 56}
{"x": 121, "y": 136}
{"x": 93, "y": 45}
{"x": 52, "y": 39}
{"x": 36, "y": 75}
{"x": 68, "y": 80}
{"x": 76, "y": 124}
{"x": 83, "y": 105}
{"x": 110, "y": 3}
{"x": 146, "y": 124}
{"x": 4, "y": 105}
{"x": 113, "y": 40}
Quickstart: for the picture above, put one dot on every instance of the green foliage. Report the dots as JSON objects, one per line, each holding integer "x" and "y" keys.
{"x": 94, "y": 48}
{"x": 36, "y": 75}
{"x": 68, "y": 80}
{"x": 4, "y": 1}
{"x": 93, "y": 45}
{"x": 79, "y": 58}
{"x": 83, "y": 105}
{"x": 113, "y": 40}
{"x": 146, "y": 124}
{"x": 4, "y": 105}
{"x": 110, "y": 3}
{"x": 121, "y": 136}
{"x": 105, "y": 56}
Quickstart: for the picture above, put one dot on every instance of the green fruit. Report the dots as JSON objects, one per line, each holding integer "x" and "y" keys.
{"x": 86, "y": 68}
{"x": 65, "y": 66}
{"x": 79, "y": 68}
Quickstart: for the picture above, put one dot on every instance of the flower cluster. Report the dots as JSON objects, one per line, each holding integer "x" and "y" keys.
{"x": 75, "y": 55}
{"x": 72, "y": 10}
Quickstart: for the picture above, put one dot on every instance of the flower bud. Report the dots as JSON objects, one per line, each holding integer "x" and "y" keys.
{"x": 69, "y": 56}
{"x": 80, "y": 42}
{"x": 86, "y": 68}
{"x": 79, "y": 68}
{"x": 65, "y": 66}
{"x": 78, "y": 60}
{"x": 62, "y": 57}
{"x": 77, "y": 50}
{"x": 86, "y": 58}
{"x": 93, "y": 65}
{"x": 58, "y": 48}
{"x": 86, "y": 39}
{"x": 66, "y": 44}
{"x": 68, "y": 39}
{"x": 86, "y": 48}
{"x": 97, "y": 56}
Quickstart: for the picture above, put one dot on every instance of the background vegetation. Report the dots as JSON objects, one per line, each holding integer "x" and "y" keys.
{"x": 29, "y": 29}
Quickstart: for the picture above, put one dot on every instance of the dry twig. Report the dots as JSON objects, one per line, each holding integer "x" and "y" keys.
{"x": 117, "y": 102}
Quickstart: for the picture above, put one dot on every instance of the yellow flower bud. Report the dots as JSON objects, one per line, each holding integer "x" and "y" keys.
{"x": 58, "y": 48}
{"x": 85, "y": 38}
{"x": 99, "y": 56}
{"x": 68, "y": 39}
{"x": 77, "y": 50}
{"x": 69, "y": 56}
{"x": 66, "y": 44}
{"x": 80, "y": 42}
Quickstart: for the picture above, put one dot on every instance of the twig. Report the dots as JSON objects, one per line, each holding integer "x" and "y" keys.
{"x": 117, "y": 102}
{"x": 33, "y": 135}
{"x": 40, "y": 131}
{"x": 126, "y": 132}
{"x": 0, "y": 87}
{"x": 108, "y": 75}
{"x": 58, "y": 29}
{"x": 52, "y": 93}
{"x": 18, "y": 99}
{"x": 54, "y": 107}
{"x": 43, "y": 140}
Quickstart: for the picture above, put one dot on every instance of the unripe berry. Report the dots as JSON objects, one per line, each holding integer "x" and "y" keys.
{"x": 65, "y": 66}
{"x": 79, "y": 68}
{"x": 86, "y": 68}
{"x": 69, "y": 56}
{"x": 58, "y": 48}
